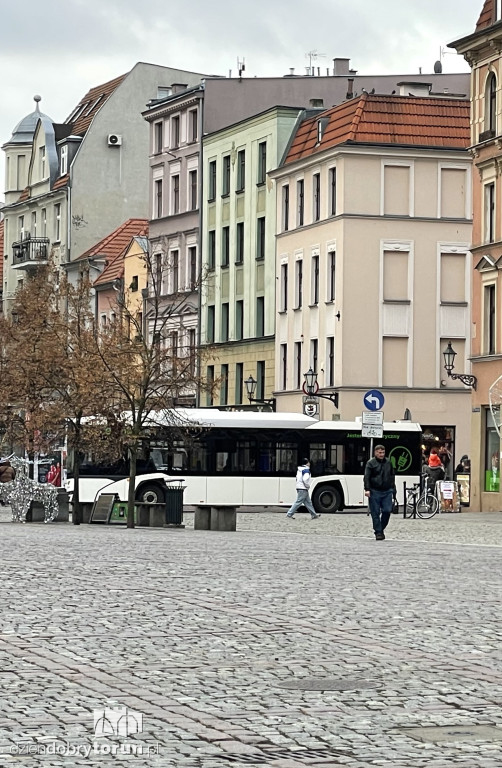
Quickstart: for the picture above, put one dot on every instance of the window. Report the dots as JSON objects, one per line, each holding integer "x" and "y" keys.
{"x": 239, "y": 320}
{"x": 175, "y": 280}
{"x": 33, "y": 228}
{"x": 210, "y": 324}
{"x": 175, "y": 203}
{"x": 192, "y": 183}
{"x": 20, "y": 227}
{"x": 158, "y": 206}
{"x": 64, "y": 160}
{"x": 330, "y": 356}
{"x": 226, "y": 176}
{"x": 192, "y": 267}
{"x": 175, "y": 132}
{"x": 260, "y": 238}
{"x": 316, "y": 186}
{"x": 262, "y": 162}
{"x": 173, "y": 339}
{"x": 212, "y": 180}
{"x": 492, "y": 455}
{"x": 489, "y": 319}
{"x": 260, "y": 379}
{"x": 298, "y": 364}
{"x": 300, "y": 187}
{"x": 285, "y": 208}
{"x": 211, "y": 256}
{"x": 57, "y": 222}
{"x": 225, "y": 324}
{"x": 298, "y": 283}
{"x": 489, "y": 213}
{"x": 239, "y": 382}
{"x": 498, "y": 10}
{"x": 210, "y": 384}
{"x": 192, "y": 349}
{"x": 314, "y": 279}
{"x": 43, "y": 223}
{"x": 284, "y": 288}
{"x": 332, "y": 191}
{"x": 134, "y": 283}
{"x": 21, "y": 159}
{"x": 159, "y": 137}
{"x": 491, "y": 98}
{"x": 314, "y": 353}
{"x": 241, "y": 170}
{"x": 41, "y": 161}
{"x": 260, "y": 316}
{"x": 224, "y": 385}
{"x": 193, "y": 128}
{"x": 284, "y": 366}
{"x": 157, "y": 286}
{"x": 239, "y": 255}
{"x": 225, "y": 246}
{"x": 331, "y": 276}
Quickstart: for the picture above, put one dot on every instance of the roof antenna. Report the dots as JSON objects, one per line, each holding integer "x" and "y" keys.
{"x": 313, "y": 56}
{"x": 241, "y": 67}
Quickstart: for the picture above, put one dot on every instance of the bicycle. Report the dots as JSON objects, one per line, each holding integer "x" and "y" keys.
{"x": 420, "y": 503}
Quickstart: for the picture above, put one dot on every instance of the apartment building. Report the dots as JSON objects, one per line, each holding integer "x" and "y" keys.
{"x": 373, "y": 263}
{"x": 482, "y": 49}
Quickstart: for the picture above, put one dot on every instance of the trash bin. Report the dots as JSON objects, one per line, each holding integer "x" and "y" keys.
{"x": 174, "y": 503}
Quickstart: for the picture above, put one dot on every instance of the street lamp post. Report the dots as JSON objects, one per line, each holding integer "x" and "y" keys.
{"x": 311, "y": 387}
{"x": 449, "y": 360}
{"x": 251, "y": 389}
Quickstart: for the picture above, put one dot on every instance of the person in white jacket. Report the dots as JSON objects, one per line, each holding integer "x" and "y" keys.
{"x": 302, "y": 492}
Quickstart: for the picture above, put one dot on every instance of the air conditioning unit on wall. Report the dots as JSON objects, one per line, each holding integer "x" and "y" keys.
{"x": 114, "y": 140}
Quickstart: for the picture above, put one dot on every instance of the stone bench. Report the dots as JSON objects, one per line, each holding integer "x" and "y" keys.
{"x": 215, "y": 517}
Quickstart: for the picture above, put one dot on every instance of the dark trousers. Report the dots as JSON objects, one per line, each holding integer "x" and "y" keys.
{"x": 381, "y": 509}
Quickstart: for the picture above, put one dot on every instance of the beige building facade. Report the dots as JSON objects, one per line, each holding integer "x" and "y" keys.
{"x": 373, "y": 265}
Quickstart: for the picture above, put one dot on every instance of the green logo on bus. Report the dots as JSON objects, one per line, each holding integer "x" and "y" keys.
{"x": 400, "y": 458}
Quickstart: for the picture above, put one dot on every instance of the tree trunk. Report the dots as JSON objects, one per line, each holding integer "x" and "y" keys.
{"x": 132, "y": 485}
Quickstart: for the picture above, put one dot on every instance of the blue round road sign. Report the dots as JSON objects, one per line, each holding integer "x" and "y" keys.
{"x": 373, "y": 400}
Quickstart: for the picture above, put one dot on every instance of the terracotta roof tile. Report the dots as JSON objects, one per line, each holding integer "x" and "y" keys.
{"x": 82, "y": 115}
{"x": 1, "y": 253}
{"x": 399, "y": 120}
{"x": 61, "y": 182}
{"x": 113, "y": 247}
{"x": 487, "y": 15}
{"x": 25, "y": 195}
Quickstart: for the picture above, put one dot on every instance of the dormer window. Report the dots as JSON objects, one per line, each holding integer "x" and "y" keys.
{"x": 321, "y": 127}
{"x": 64, "y": 160}
{"x": 498, "y": 10}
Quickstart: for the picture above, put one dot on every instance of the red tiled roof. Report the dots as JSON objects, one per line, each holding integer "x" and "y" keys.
{"x": 1, "y": 254}
{"x": 487, "y": 15}
{"x": 25, "y": 195}
{"x": 82, "y": 115}
{"x": 399, "y": 120}
{"x": 113, "y": 247}
{"x": 61, "y": 182}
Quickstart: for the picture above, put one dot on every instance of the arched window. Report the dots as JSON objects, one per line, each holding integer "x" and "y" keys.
{"x": 491, "y": 104}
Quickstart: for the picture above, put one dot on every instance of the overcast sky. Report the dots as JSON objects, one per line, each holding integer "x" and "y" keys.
{"x": 61, "y": 48}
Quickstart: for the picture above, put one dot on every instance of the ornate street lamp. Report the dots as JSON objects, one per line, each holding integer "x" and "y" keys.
{"x": 311, "y": 387}
{"x": 251, "y": 389}
{"x": 449, "y": 363}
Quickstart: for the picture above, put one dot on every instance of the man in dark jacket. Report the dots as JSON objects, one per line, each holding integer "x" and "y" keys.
{"x": 7, "y": 471}
{"x": 380, "y": 488}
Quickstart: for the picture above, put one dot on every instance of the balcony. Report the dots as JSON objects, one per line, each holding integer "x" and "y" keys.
{"x": 30, "y": 253}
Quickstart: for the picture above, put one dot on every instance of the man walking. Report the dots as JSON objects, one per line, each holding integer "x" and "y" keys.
{"x": 302, "y": 492}
{"x": 380, "y": 488}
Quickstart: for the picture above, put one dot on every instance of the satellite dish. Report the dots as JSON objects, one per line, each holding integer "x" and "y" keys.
{"x": 438, "y": 68}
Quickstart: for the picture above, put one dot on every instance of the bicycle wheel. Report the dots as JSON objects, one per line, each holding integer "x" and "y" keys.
{"x": 427, "y": 506}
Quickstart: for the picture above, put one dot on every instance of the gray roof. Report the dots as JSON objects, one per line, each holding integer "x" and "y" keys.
{"x": 24, "y": 131}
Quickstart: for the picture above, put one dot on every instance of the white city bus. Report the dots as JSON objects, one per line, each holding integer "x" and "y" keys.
{"x": 250, "y": 458}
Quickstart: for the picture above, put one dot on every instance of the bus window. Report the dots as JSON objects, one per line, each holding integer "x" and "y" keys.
{"x": 286, "y": 457}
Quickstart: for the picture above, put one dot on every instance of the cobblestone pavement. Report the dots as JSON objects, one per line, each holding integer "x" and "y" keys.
{"x": 285, "y": 644}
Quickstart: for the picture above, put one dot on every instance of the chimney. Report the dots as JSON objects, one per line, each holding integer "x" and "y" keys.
{"x": 341, "y": 67}
{"x": 350, "y": 88}
{"x": 291, "y": 71}
{"x": 177, "y": 87}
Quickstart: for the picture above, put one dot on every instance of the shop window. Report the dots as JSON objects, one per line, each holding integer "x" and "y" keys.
{"x": 492, "y": 455}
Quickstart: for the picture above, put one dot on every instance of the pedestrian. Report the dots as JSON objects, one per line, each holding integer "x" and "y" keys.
{"x": 380, "y": 489}
{"x": 302, "y": 492}
{"x": 7, "y": 471}
{"x": 434, "y": 470}
{"x": 464, "y": 464}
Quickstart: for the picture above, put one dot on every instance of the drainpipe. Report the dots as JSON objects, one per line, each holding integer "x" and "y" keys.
{"x": 201, "y": 218}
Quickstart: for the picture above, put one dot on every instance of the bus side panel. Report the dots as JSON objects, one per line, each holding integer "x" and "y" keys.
{"x": 225, "y": 489}
{"x": 287, "y": 491}
{"x": 261, "y": 490}
{"x": 195, "y": 490}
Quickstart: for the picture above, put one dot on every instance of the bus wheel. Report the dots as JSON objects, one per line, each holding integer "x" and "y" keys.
{"x": 150, "y": 493}
{"x": 327, "y": 499}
